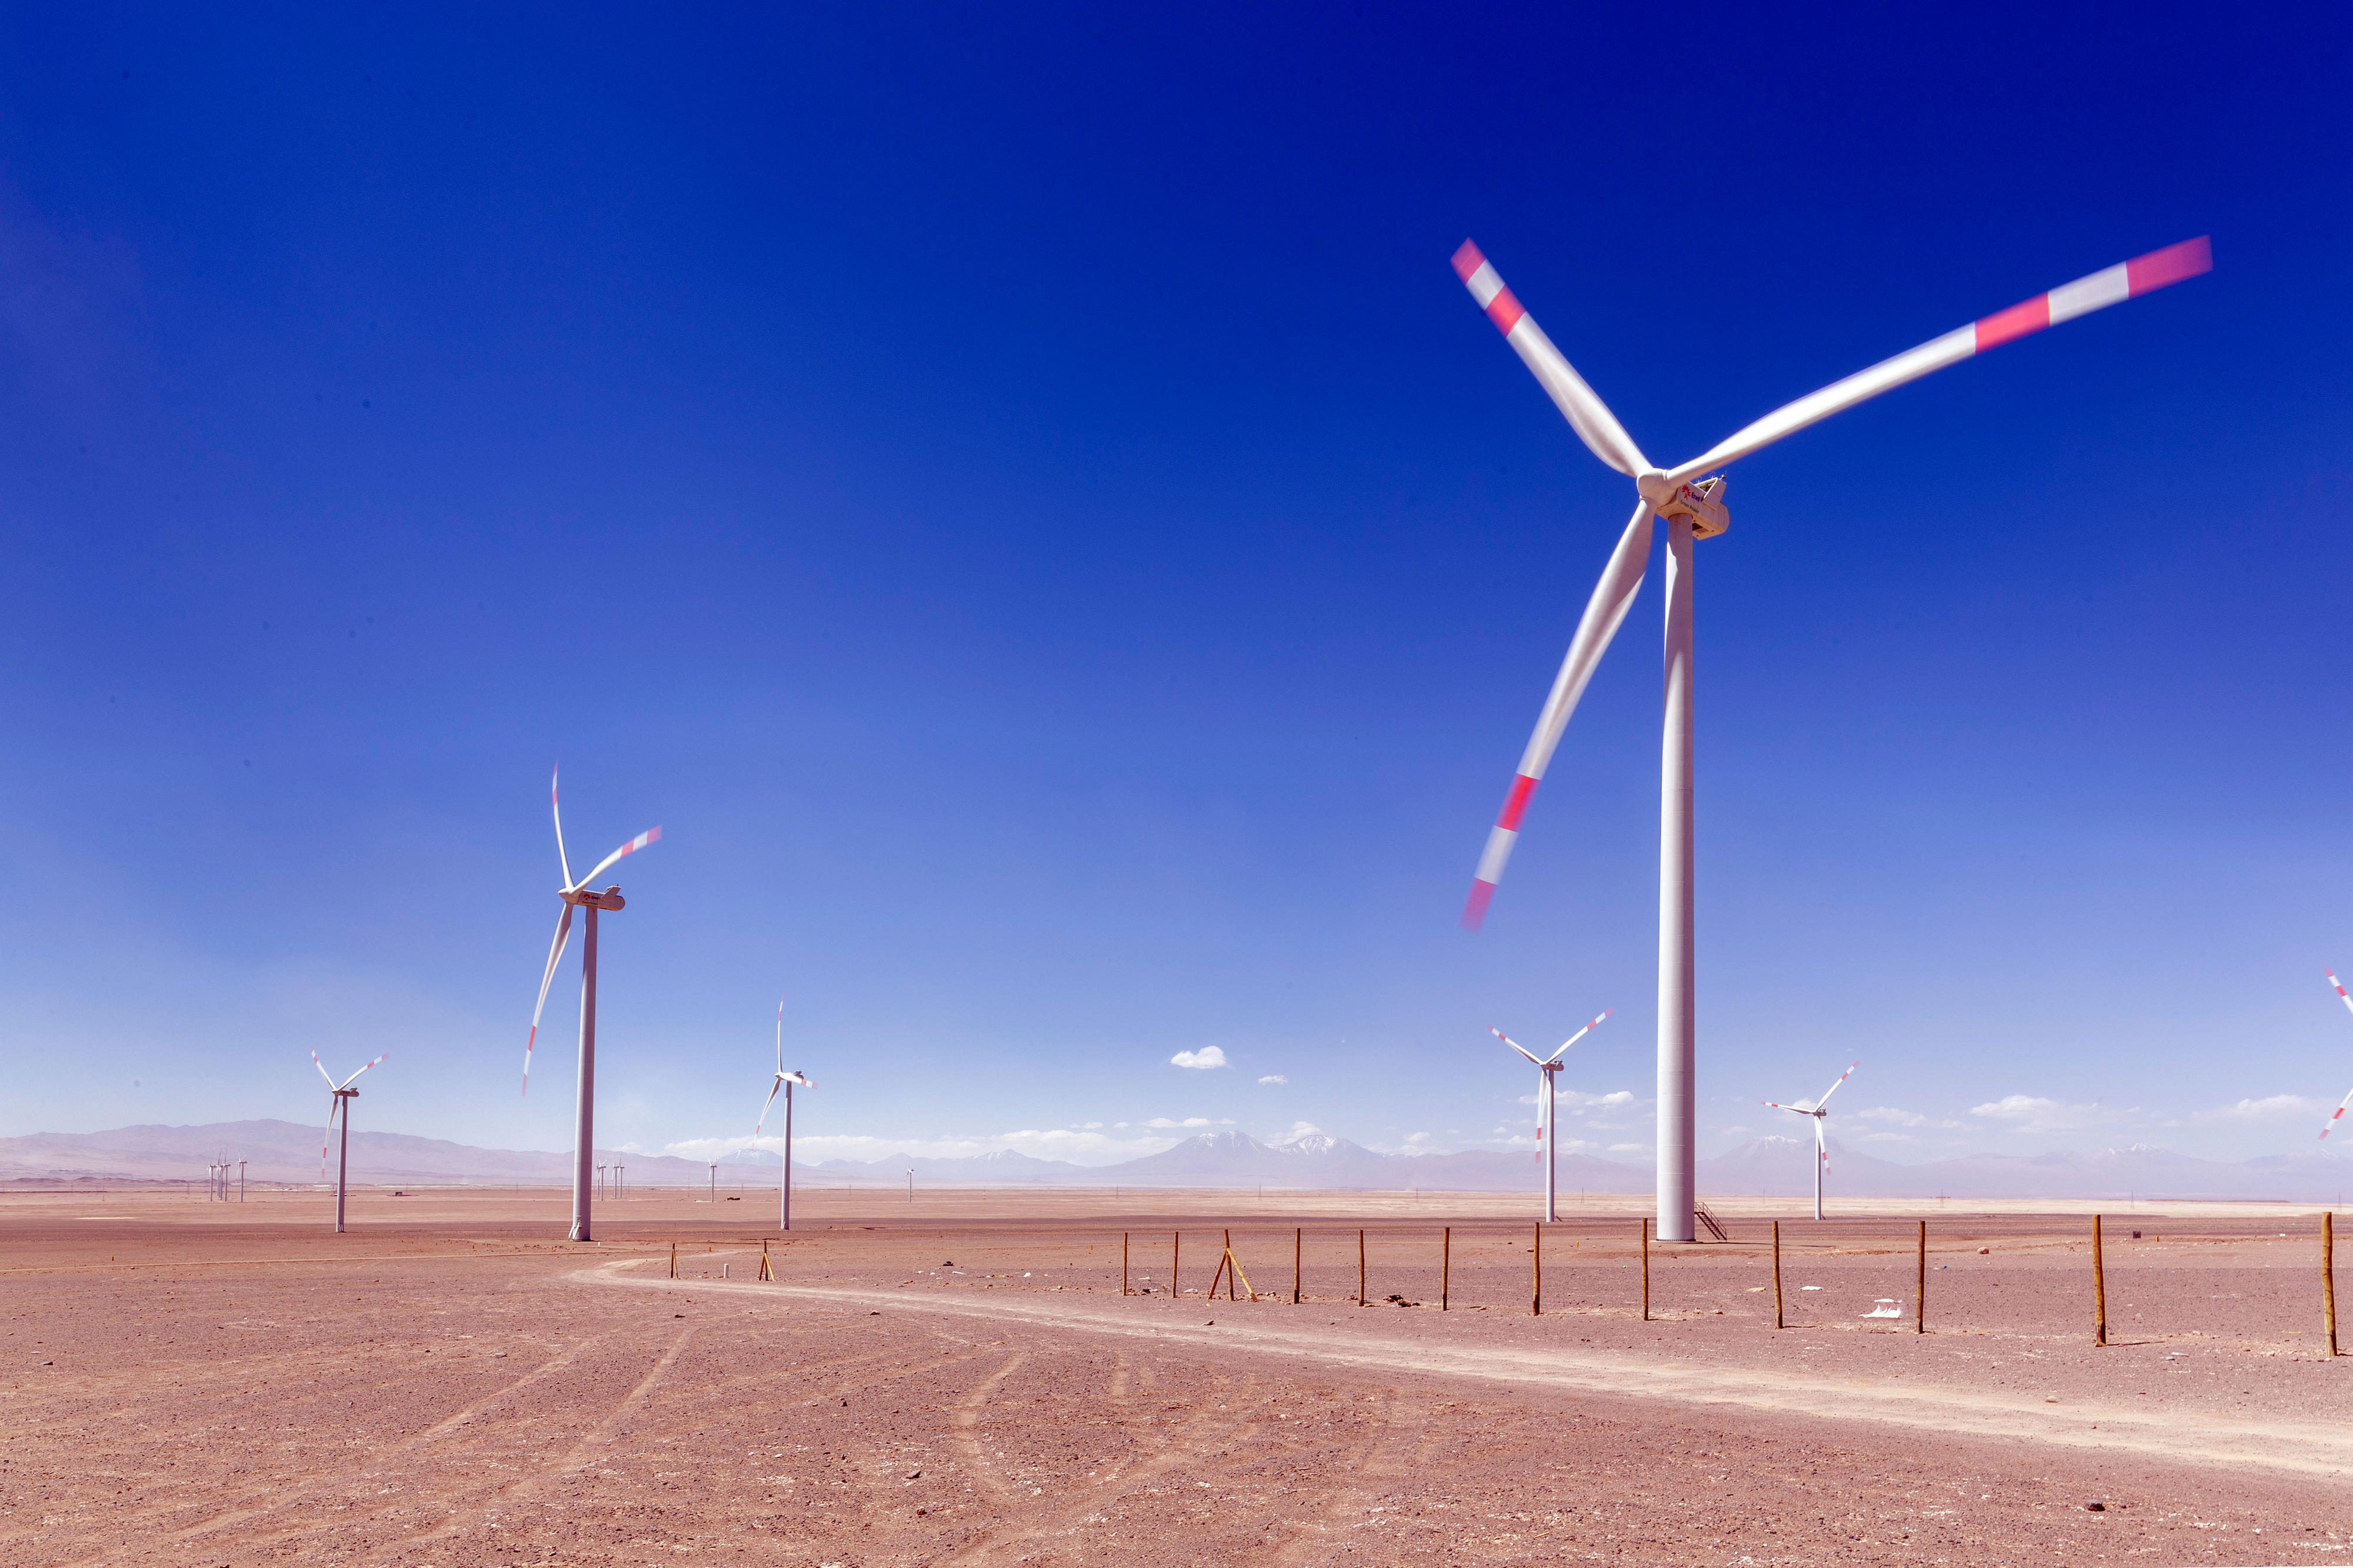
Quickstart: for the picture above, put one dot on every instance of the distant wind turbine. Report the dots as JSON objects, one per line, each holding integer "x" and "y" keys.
{"x": 784, "y": 1080}
{"x": 340, "y": 1105}
{"x": 578, "y": 895}
{"x": 1821, "y": 1147}
{"x": 1547, "y": 1131}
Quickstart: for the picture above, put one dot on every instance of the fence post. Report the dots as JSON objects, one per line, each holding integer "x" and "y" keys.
{"x": 1295, "y": 1237}
{"x": 1123, "y": 1264}
{"x": 1360, "y": 1266}
{"x": 1920, "y": 1292}
{"x": 1535, "y": 1252}
{"x": 2099, "y": 1289}
{"x": 1776, "y": 1273}
{"x": 2329, "y": 1276}
{"x": 1645, "y": 1225}
{"x": 673, "y": 1260}
{"x": 1446, "y": 1265}
{"x": 1175, "y": 1240}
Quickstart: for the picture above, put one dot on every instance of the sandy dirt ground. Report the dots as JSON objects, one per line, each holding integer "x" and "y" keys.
{"x": 960, "y": 1380}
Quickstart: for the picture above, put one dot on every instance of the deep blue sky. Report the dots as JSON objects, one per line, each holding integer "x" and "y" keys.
{"x": 1025, "y": 502}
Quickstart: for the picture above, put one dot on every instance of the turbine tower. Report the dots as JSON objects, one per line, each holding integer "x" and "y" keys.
{"x": 340, "y": 1105}
{"x": 784, "y": 1080}
{"x": 577, "y": 895}
{"x": 1694, "y": 509}
{"x": 1547, "y": 1126}
{"x": 1822, "y": 1145}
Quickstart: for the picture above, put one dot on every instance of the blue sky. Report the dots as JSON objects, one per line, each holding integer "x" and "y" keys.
{"x": 1025, "y": 504}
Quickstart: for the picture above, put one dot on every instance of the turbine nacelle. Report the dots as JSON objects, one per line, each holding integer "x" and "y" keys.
{"x": 1702, "y": 501}
{"x": 590, "y": 899}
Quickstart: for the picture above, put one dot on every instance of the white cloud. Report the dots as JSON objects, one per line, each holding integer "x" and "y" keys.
{"x": 1274, "y": 1077}
{"x": 1629, "y": 1148}
{"x": 1574, "y": 1100}
{"x": 1206, "y": 1056}
{"x": 1895, "y": 1116}
{"x": 2030, "y": 1113}
{"x": 1886, "y": 1138}
{"x": 1188, "y": 1122}
{"x": 2273, "y": 1108}
{"x": 1300, "y": 1129}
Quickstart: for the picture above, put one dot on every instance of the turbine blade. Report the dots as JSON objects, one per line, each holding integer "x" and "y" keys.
{"x": 774, "y": 1089}
{"x": 2330, "y": 1125}
{"x": 354, "y": 1077}
{"x": 1587, "y": 414}
{"x": 631, "y": 847}
{"x": 1833, "y": 1088}
{"x": 2111, "y": 286}
{"x": 1581, "y": 1034}
{"x": 796, "y": 1077}
{"x": 323, "y": 1069}
{"x": 334, "y": 1104}
{"x": 1514, "y": 1044}
{"x": 780, "y": 1034}
{"x": 554, "y": 956}
{"x": 1613, "y": 596}
{"x": 557, "y": 806}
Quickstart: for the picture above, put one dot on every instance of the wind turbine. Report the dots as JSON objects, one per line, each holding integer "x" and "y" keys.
{"x": 1547, "y": 1131}
{"x": 1822, "y": 1148}
{"x": 2330, "y": 1124}
{"x": 340, "y": 1105}
{"x": 578, "y": 895}
{"x": 784, "y": 1080}
{"x": 1694, "y": 509}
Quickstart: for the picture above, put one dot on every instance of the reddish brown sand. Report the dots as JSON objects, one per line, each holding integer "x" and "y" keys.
{"x": 961, "y": 1381}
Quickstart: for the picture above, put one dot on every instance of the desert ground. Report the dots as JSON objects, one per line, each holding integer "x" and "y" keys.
{"x": 958, "y": 1378}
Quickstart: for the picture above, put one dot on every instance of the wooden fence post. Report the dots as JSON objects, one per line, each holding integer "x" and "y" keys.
{"x": 2329, "y": 1276}
{"x": 1645, "y": 1225}
{"x": 1920, "y": 1292}
{"x": 1535, "y": 1252}
{"x": 1123, "y": 1264}
{"x": 1360, "y": 1266}
{"x": 1175, "y": 1240}
{"x": 2099, "y": 1289}
{"x": 1776, "y": 1273}
{"x": 1295, "y": 1237}
{"x": 673, "y": 1260}
{"x": 1446, "y": 1265}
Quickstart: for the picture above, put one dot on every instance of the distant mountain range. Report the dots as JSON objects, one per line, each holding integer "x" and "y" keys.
{"x": 1780, "y": 1167}
{"x": 1768, "y": 1166}
{"x": 289, "y": 1152}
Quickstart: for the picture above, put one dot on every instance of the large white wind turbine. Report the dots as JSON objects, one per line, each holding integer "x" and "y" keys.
{"x": 1821, "y": 1144}
{"x": 580, "y": 896}
{"x": 340, "y": 1105}
{"x": 784, "y": 1080}
{"x": 1694, "y": 509}
{"x": 1547, "y": 1126}
{"x": 2329, "y": 1126}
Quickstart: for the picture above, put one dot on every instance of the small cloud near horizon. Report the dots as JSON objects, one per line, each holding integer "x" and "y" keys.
{"x": 2030, "y": 1113}
{"x": 2271, "y": 1108}
{"x": 1205, "y": 1057}
{"x": 1892, "y": 1115}
{"x": 1273, "y": 1078}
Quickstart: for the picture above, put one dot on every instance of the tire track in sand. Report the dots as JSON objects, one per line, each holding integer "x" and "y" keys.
{"x": 285, "y": 1497}
{"x": 2310, "y": 1449}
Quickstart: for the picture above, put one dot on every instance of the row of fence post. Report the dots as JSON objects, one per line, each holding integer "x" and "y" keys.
{"x": 1781, "y": 1312}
